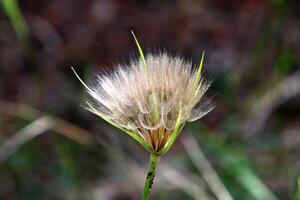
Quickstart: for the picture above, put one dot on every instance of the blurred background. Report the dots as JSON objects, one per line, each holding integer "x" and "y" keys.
{"x": 247, "y": 148}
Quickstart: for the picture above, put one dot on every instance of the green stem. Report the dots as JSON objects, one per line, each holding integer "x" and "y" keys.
{"x": 154, "y": 159}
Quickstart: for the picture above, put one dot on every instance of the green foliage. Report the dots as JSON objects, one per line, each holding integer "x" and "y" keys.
{"x": 285, "y": 62}
{"x": 15, "y": 16}
{"x": 236, "y": 164}
{"x": 298, "y": 193}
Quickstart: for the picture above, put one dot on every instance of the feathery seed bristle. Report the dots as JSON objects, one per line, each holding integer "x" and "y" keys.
{"x": 147, "y": 101}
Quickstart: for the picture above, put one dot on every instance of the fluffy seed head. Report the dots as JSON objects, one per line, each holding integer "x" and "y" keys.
{"x": 150, "y": 98}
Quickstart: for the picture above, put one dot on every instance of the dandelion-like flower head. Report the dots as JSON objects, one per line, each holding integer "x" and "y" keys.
{"x": 151, "y": 99}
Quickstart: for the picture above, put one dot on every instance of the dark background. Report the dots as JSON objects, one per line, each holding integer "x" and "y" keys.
{"x": 51, "y": 148}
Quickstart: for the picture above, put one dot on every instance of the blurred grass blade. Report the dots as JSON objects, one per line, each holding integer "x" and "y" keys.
{"x": 232, "y": 163}
{"x": 263, "y": 107}
{"x": 60, "y": 126}
{"x": 298, "y": 193}
{"x": 14, "y": 14}
{"x": 184, "y": 182}
{"x": 27, "y": 133}
{"x": 203, "y": 165}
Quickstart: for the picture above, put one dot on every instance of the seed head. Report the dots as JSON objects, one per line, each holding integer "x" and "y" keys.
{"x": 151, "y": 99}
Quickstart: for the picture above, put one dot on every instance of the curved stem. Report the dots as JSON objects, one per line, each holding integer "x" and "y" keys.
{"x": 154, "y": 159}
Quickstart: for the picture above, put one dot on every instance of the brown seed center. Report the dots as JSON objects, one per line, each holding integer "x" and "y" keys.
{"x": 157, "y": 138}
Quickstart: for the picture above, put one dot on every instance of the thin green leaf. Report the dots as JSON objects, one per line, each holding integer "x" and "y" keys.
{"x": 94, "y": 110}
{"x": 178, "y": 128}
{"x": 199, "y": 69}
{"x": 81, "y": 81}
{"x": 140, "y": 49}
{"x": 131, "y": 134}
